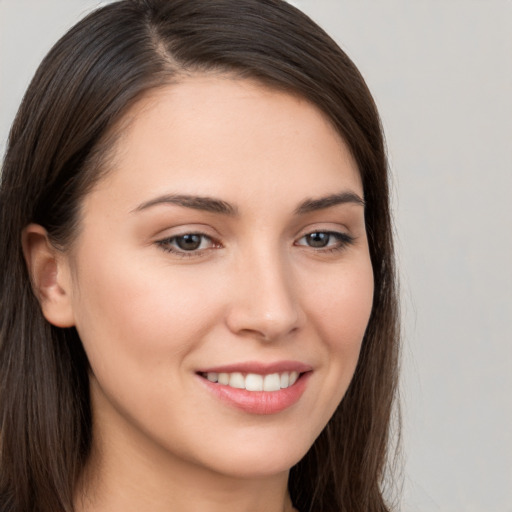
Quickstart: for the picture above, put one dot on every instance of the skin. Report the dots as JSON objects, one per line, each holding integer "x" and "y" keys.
{"x": 254, "y": 290}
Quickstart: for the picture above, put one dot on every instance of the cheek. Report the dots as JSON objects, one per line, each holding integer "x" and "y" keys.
{"x": 340, "y": 310}
{"x": 138, "y": 333}
{"x": 341, "y": 304}
{"x": 137, "y": 314}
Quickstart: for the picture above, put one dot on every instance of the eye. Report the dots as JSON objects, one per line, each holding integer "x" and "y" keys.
{"x": 187, "y": 243}
{"x": 331, "y": 240}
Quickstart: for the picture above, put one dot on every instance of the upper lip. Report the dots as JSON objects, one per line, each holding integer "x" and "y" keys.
{"x": 259, "y": 367}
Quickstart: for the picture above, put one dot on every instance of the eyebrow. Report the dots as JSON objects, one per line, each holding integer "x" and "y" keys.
{"x": 311, "y": 205}
{"x": 207, "y": 204}
{"x": 212, "y": 205}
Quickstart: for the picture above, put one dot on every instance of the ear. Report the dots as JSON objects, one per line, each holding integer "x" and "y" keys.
{"x": 50, "y": 276}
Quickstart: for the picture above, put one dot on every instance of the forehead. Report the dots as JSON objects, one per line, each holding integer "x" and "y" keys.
{"x": 222, "y": 136}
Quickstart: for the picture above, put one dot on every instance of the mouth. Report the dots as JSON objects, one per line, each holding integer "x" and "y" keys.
{"x": 254, "y": 381}
{"x": 258, "y": 389}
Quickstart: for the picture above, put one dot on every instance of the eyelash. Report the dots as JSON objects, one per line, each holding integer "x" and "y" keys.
{"x": 342, "y": 241}
{"x": 169, "y": 244}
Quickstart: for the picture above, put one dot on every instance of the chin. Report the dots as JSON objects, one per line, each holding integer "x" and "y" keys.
{"x": 256, "y": 460}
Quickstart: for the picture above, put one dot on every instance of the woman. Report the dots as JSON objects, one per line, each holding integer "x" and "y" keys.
{"x": 198, "y": 303}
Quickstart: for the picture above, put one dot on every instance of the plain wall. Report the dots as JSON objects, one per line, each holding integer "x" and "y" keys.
{"x": 441, "y": 73}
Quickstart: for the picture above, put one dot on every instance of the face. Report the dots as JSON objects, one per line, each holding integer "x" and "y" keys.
{"x": 221, "y": 281}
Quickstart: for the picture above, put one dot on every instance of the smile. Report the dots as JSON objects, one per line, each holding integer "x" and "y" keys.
{"x": 257, "y": 388}
{"x": 254, "y": 381}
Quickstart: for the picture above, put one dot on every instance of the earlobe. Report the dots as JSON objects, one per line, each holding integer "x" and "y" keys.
{"x": 49, "y": 273}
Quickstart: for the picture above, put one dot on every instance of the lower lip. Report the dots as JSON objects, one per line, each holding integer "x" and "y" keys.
{"x": 259, "y": 402}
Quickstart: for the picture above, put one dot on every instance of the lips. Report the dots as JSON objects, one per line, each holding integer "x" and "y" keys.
{"x": 258, "y": 388}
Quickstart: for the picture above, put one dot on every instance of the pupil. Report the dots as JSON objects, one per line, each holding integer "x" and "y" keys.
{"x": 318, "y": 239}
{"x": 188, "y": 242}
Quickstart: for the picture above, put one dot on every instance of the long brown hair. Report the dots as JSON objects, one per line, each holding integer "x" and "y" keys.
{"x": 56, "y": 151}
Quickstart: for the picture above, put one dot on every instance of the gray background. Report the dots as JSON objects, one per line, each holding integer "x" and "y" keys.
{"x": 441, "y": 73}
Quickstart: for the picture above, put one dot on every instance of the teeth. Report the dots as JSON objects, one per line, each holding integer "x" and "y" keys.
{"x": 223, "y": 378}
{"x": 272, "y": 382}
{"x": 212, "y": 376}
{"x": 236, "y": 380}
{"x": 254, "y": 381}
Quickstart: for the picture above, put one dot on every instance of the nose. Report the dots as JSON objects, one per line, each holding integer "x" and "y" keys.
{"x": 264, "y": 303}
